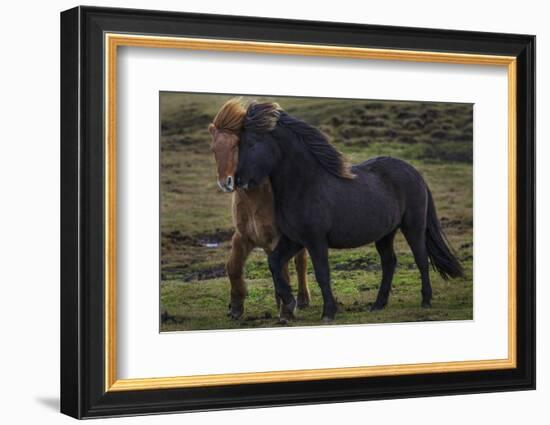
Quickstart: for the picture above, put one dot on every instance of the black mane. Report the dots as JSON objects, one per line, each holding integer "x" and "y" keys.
{"x": 265, "y": 117}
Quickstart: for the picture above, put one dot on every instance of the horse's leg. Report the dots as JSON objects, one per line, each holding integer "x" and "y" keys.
{"x": 286, "y": 275}
{"x": 416, "y": 238}
{"x": 319, "y": 257}
{"x": 278, "y": 259}
{"x": 387, "y": 255}
{"x": 300, "y": 261}
{"x": 240, "y": 249}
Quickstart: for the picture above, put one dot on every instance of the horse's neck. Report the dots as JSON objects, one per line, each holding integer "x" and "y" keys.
{"x": 254, "y": 199}
{"x": 253, "y": 213}
{"x": 298, "y": 168}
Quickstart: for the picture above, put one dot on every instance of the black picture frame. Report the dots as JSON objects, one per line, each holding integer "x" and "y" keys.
{"x": 83, "y": 392}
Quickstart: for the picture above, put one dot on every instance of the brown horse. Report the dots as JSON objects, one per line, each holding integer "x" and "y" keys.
{"x": 253, "y": 210}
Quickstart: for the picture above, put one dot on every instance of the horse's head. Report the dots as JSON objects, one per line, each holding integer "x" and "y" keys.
{"x": 258, "y": 156}
{"x": 225, "y": 130}
{"x": 225, "y": 146}
{"x": 259, "y": 151}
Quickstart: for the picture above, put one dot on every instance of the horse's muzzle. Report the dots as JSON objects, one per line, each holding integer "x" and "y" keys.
{"x": 227, "y": 185}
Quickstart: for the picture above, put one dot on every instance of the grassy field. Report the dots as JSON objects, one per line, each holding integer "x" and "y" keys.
{"x": 196, "y": 224}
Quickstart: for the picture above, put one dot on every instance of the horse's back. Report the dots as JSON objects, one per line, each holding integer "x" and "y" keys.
{"x": 387, "y": 165}
{"x": 397, "y": 175}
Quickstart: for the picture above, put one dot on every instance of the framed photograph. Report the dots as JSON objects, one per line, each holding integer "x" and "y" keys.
{"x": 261, "y": 212}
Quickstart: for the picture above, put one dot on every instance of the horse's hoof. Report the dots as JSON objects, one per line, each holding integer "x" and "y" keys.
{"x": 283, "y": 321}
{"x": 426, "y": 304}
{"x": 287, "y": 311}
{"x": 329, "y": 312}
{"x": 303, "y": 302}
{"x": 235, "y": 313}
{"x": 377, "y": 306}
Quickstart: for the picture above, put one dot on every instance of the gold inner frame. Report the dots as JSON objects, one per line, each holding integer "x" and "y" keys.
{"x": 113, "y": 41}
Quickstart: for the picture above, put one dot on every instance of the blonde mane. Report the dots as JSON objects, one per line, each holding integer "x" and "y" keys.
{"x": 231, "y": 115}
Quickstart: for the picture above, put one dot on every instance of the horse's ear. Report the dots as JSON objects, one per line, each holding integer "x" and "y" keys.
{"x": 212, "y": 129}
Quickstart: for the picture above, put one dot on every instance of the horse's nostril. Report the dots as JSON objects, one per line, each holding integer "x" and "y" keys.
{"x": 229, "y": 181}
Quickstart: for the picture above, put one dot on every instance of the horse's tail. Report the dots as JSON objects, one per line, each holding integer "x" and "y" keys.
{"x": 441, "y": 256}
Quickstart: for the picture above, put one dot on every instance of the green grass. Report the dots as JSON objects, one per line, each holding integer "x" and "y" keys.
{"x": 435, "y": 137}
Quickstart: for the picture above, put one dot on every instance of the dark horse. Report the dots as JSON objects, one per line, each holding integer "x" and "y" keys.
{"x": 323, "y": 202}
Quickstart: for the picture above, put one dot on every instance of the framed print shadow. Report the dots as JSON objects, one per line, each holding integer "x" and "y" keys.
{"x": 260, "y": 212}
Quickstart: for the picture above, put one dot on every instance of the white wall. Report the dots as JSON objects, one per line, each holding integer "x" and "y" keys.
{"x": 29, "y": 224}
